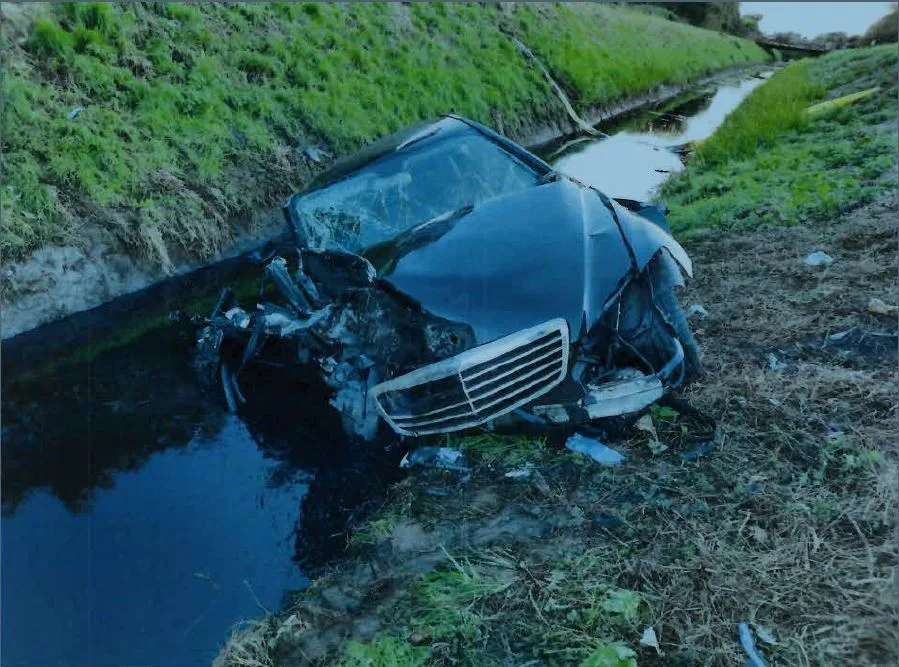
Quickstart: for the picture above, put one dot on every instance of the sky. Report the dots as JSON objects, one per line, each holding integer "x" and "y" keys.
{"x": 811, "y": 19}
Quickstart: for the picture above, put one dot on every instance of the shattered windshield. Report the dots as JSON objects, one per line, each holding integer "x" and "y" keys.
{"x": 409, "y": 187}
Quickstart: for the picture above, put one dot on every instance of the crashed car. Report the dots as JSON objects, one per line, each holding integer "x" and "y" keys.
{"x": 445, "y": 278}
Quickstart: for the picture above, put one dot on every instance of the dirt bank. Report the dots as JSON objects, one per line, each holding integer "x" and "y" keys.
{"x": 786, "y": 522}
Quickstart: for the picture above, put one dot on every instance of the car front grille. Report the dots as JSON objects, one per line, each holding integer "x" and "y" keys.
{"x": 478, "y": 385}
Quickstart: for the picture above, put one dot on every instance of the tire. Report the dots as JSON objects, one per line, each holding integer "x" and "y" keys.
{"x": 663, "y": 284}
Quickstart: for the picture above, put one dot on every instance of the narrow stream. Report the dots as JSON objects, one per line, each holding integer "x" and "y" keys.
{"x": 141, "y": 522}
{"x": 638, "y": 154}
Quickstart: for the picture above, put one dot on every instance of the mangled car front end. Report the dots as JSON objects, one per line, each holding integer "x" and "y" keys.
{"x": 531, "y": 297}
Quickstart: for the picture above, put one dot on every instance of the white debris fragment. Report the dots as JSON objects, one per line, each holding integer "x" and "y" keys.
{"x": 881, "y": 307}
{"x": 655, "y": 445}
{"x": 818, "y": 258}
{"x": 239, "y": 317}
{"x": 775, "y": 364}
{"x": 765, "y": 635}
{"x": 650, "y": 639}
{"x": 839, "y": 336}
{"x": 594, "y": 449}
{"x": 519, "y": 473}
{"x": 697, "y": 310}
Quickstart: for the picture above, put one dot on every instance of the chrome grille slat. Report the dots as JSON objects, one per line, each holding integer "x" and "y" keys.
{"x": 475, "y": 397}
{"x": 465, "y": 404}
{"x": 468, "y": 375}
{"x": 533, "y": 357}
{"x": 527, "y": 386}
{"x": 510, "y": 372}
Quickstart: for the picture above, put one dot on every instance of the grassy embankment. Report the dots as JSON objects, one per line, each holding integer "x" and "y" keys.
{"x": 782, "y": 516}
{"x": 193, "y": 116}
{"x": 771, "y": 162}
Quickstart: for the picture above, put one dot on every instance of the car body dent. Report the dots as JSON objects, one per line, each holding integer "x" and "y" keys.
{"x": 483, "y": 269}
{"x": 646, "y": 239}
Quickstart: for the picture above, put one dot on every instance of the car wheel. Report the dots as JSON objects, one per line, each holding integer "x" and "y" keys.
{"x": 663, "y": 283}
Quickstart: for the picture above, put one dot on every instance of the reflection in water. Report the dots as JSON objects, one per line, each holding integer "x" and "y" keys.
{"x": 140, "y": 521}
{"x": 637, "y": 157}
{"x": 74, "y": 430}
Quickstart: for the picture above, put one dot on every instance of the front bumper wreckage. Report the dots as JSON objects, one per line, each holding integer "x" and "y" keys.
{"x": 478, "y": 385}
{"x": 358, "y": 331}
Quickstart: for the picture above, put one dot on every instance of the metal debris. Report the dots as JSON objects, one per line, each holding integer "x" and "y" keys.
{"x": 594, "y": 449}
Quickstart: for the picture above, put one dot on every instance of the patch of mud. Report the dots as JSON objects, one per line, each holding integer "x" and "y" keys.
{"x": 58, "y": 281}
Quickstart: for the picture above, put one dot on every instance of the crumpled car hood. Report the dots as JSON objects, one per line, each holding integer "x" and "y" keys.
{"x": 550, "y": 251}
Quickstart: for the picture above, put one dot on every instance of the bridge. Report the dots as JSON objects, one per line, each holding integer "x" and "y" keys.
{"x": 786, "y": 46}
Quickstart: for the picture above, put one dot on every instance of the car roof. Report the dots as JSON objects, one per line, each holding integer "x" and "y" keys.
{"x": 445, "y": 125}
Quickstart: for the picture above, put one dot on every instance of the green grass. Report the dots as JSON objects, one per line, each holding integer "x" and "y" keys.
{"x": 195, "y": 114}
{"x": 767, "y": 112}
{"x": 384, "y": 651}
{"x": 768, "y": 162}
{"x": 605, "y": 53}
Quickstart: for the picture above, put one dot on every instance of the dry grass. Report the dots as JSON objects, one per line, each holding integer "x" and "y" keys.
{"x": 789, "y": 524}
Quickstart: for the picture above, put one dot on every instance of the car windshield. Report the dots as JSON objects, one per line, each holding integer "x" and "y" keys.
{"x": 408, "y": 187}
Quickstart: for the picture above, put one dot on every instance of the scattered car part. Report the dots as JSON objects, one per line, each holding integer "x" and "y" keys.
{"x": 594, "y": 449}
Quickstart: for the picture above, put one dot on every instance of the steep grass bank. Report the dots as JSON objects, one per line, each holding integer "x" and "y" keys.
{"x": 159, "y": 124}
{"x": 772, "y": 162}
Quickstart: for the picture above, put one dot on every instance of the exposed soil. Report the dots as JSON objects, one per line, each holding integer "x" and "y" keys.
{"x": 774, "y": 502}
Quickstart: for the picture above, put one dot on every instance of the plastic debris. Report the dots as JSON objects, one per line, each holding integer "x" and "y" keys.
{"x": 594, "y": 449}
{"x": 655, "y": 445}
{"x": 840, "y": 336}
{"x": 881, "y": 307}
{"x": 764, "y": 634}
{"x": 697, "y": 310}
{"x": 519, "y": 473}
{"x": 818, "y": 258}
{"x": 775, "y": 364}
{"x": 315, "y": 154}
{"x": 755, "y": 660}
{"x": 649, "y": 638}
{"x": 445, "y": 458}
{"x": 73, "y": 114}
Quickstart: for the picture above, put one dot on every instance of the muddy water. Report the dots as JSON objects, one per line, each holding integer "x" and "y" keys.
{"x": 140, "y": 521}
